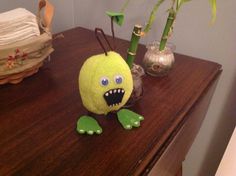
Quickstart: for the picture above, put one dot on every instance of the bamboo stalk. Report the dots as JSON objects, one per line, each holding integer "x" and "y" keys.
{"x": 168, "y": 26}
{"x": 213, "y": 10}
{"x": 125, "y": 6}
{"x": 131, "y": 53}
{"x": 152, "y": 16}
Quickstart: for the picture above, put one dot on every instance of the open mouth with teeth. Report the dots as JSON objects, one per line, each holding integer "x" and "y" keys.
{"x": 114, "y": 97}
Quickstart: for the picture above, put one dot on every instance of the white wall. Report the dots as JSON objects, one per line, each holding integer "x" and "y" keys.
{"x": 64, "y": 15}
{"x": 193, "y": 36}
{"x": 216, "y": 43}
{"x": 6, "y": 5}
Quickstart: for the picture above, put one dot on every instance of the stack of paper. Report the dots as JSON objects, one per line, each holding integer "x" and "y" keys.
{"x": 17, "y": 25}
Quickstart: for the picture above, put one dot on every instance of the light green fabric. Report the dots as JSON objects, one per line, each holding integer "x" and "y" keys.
{"x": 92, "y": 91}
{"x": 88, "y": 125}
{"x": 129, "y": 119}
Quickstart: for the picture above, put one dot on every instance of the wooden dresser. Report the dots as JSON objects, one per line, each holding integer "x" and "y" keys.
{"x": 38, "y": 118}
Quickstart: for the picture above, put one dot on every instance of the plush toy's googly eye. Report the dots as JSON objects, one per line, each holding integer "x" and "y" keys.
{"x": 118, "y": 79}
{"x": 104, "y": 81}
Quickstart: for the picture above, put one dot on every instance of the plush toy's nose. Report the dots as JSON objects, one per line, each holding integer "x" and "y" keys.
{"x": 113, "y": 97}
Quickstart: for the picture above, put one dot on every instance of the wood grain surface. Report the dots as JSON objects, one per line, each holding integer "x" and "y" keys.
{"x": 171, "y": 160}
{"x": 38, "y": 116}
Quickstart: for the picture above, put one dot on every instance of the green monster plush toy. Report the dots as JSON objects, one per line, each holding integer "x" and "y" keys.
{"x": 105, "y": 84}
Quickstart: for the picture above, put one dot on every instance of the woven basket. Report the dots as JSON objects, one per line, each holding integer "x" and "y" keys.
{"x": 24, "y": 58}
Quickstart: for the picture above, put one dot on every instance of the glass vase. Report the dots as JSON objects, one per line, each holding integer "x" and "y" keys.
{"x": 158, "y": 63}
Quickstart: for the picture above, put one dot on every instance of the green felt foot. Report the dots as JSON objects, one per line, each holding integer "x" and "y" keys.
{"x": 129, "y": 119}
{"x": 88, "y": 125}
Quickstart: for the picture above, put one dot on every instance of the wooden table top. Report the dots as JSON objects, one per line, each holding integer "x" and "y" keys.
{"x": 38, "y": 116}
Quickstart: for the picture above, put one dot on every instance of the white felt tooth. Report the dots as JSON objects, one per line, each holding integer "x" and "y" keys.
{"x": 106, "y": 94}
{"x": 114, "y": 91}
{"x": 122, "y": 91}
{"x": 118, "y": 91}
{"x": 110, "y": 91}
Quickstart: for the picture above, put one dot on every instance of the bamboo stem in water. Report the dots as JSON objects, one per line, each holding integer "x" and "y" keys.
{"x": 168, "y": 26}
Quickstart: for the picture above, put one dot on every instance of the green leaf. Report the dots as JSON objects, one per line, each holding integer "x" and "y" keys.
{"x": 118, "y": 17}
{"x": 180, "y": 3}
{"x": 213, "y": 10}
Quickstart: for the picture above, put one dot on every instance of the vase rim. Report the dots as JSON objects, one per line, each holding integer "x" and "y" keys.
{"x": 155, "y": 44}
